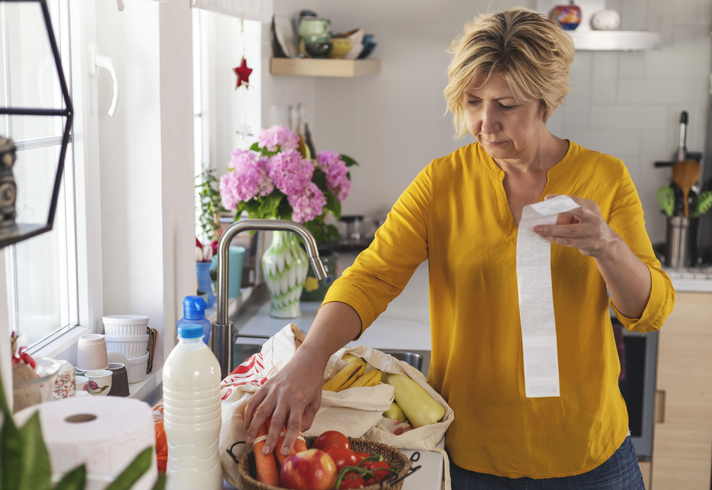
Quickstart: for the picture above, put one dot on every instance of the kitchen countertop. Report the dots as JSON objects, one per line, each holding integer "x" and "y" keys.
{"x": 688, "y": 279}
{"x": 405, "y": 325}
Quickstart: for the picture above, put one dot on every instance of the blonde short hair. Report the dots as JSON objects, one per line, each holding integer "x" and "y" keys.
{"x": 531, "y": 52}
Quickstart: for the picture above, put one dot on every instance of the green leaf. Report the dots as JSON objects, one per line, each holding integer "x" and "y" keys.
{"x": 74, "y": 480}
{"x": 333, "y": 204}
{"x": 255, "y": 146}
{"x": 350, "y": 162}
{"x": 270, "y": 204}
{"x": 666, "y": 197}
{"x": 704, "y": 204}
{"x": 133, "y": 471}
{"x": 36, "y": 468}
{"x": 10, "y": 449}
{"x": 334, "y": 232}
{"x": 319, "y": 178}
{"x": 160, "y": 482}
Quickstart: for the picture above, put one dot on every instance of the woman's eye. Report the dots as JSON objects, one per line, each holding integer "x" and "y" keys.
{"x": 507, "y": 107}
{"x": 473, "y": 102}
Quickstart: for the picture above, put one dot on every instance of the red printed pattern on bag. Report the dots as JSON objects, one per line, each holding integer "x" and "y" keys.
{"x": 249, "y": 372}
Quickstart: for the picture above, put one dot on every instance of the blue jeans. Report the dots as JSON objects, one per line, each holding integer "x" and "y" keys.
{"x": 620, "y": 472}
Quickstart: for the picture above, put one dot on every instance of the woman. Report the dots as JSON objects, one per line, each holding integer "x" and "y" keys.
{"x": 508, "y": 75}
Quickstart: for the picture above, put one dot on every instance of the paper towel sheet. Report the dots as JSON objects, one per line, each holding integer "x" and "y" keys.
{"x": 536, "y": 302}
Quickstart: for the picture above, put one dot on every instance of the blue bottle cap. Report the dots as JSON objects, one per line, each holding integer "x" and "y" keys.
{"x": 190, "y": 331}
{"x": 194, "y": 308}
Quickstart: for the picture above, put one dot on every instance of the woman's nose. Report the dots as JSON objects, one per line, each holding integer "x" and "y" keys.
{"x": 490, "y": 122}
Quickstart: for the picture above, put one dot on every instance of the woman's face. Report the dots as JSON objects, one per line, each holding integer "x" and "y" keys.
{"x": 507, "y": 128}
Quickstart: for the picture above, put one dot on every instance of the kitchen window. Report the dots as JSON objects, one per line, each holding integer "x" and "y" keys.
{"x": 41, "y": 272}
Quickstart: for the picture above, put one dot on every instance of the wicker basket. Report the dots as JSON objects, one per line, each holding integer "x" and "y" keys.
{"x": 398, "y": 460}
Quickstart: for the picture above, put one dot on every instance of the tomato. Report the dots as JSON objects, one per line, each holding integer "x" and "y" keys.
{"x": 332, "y": 438}
{"x": 352, "y": 480}
{"x": 342, "y": 456}
{"x": 380, "y": 469}
{"x": 362, "y": 456}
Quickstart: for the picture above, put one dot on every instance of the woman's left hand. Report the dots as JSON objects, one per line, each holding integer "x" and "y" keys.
{"x": 583, "y": 228}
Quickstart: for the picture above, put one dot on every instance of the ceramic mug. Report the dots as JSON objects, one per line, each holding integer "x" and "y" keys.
{"x": 81, "y": 384}
{"x": 91, "y": 352}
{"x": 99, "y": 383}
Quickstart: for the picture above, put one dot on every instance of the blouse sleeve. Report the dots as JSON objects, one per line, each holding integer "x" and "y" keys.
{"x": 382, "y": 271}
{"x": 626, "y": 219}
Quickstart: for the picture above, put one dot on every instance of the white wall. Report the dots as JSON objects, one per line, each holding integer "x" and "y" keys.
{"x": 625, "y": 104}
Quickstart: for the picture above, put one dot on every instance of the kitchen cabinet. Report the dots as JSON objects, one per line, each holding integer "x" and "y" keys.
{"x": 312, "y": 67}
{"x": 682, "y": 441}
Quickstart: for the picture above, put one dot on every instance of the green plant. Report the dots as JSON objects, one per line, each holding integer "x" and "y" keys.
{"x": 208, "y": 204}
{"x": 704, "y": 204}
{"x": 25, "y": 462}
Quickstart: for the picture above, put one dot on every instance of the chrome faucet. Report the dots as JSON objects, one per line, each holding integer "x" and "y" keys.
{"x": 222, "y": 338}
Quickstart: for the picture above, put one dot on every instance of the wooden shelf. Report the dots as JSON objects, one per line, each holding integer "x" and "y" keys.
{"x": 311, "y": 67}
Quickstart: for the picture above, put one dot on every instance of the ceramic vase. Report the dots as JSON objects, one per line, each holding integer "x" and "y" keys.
{"x": 285, "y": 265}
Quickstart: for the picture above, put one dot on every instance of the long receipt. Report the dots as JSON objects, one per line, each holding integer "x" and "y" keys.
{"x": 536, "y": 302}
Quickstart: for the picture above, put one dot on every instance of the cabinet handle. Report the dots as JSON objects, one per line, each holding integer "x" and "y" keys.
{"x": 660, "y": 397}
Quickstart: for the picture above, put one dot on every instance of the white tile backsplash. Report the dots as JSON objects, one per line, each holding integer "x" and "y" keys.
{"x": 628, "y": 117}
{"x": 693, "y": 12}
{"x": 604, "y": 77}
{"x": 656, "y": 91}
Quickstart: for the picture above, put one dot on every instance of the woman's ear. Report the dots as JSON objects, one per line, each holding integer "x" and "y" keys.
{"x": 551, "y": 111}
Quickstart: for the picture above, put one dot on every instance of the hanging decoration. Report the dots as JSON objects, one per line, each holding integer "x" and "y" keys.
{"x": 243, "y": 80}
{"x": 243, "y": 74}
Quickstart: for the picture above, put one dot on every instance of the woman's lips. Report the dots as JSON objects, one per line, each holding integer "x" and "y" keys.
{"x": 493, "y": 143}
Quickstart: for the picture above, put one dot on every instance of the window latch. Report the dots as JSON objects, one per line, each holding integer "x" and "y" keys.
{"x": 98, "y": 61}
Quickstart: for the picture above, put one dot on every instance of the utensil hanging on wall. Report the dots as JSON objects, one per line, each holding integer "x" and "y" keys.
{"x": 685, "y": 173}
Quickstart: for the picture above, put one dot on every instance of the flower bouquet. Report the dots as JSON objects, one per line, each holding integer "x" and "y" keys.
{"x": 277, "y": 178}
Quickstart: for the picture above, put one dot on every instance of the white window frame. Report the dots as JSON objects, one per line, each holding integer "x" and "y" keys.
{"x": 82, "y": 185}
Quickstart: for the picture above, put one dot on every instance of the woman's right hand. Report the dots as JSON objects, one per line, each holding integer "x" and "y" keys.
{"x": 292, "y": 397}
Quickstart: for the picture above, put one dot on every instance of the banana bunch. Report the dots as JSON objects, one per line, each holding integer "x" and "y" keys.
{"x": 353, "y": 375}
{"x": 420, "y": 408}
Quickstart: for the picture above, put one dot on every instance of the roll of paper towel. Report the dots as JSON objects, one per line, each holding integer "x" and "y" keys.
{"x": 104, "y": 432}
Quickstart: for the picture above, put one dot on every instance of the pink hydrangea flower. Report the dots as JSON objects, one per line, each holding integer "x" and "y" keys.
{"x": 290, "y": 172}
{"x": 278, "y": 137}
{"x": 336, "y": 172}
{"x": 247, "y": 180}
{"x": 307, "y": 205}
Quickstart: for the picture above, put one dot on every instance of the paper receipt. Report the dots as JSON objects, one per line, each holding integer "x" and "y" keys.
{"x": 536, "y": 302}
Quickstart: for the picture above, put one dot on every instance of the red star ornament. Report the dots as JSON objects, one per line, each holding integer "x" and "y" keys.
{"x": 243, "y": 74}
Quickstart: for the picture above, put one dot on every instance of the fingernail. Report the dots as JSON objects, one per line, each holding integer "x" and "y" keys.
{"x": 285, "y": 451}
{"x": 249, "y": 440}
{"x": 537, "y": 229}
{"x": 266, "y": 449}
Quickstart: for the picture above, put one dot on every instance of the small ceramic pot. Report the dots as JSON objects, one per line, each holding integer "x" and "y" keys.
{"x": 318, "y": 50}
{"x": 64, "y": 383}
{"x": 99, "y": 383}
{"x": 315, "y": 30}
{"x": 91, "y": 352}
{"x": 119, "y": 379}
{"x": 568, "y": 16}
{"x": 606, "y": 20}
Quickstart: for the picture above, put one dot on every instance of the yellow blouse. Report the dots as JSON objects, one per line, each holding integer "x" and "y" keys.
{"x": 455, "y": 214}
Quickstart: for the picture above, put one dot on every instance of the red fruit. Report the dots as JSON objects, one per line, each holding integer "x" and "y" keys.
{"x": 342, "y": 456}
{"x": 380, "y": 469}
{"x": 362, "y": 456}
{"x": 352, "y": 480}
{"x": 332, "y": 438}
{"x": 312, "y": 469}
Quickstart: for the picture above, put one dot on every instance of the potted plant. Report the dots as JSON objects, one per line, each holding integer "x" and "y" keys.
{"x": 277, "y": 178}
{"x": 208, "y": 207}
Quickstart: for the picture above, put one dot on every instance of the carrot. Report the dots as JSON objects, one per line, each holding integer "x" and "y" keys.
{"x": 300, "y": 445}
{"x": 265, "y": 464}
{"x": 278, "y": 450}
